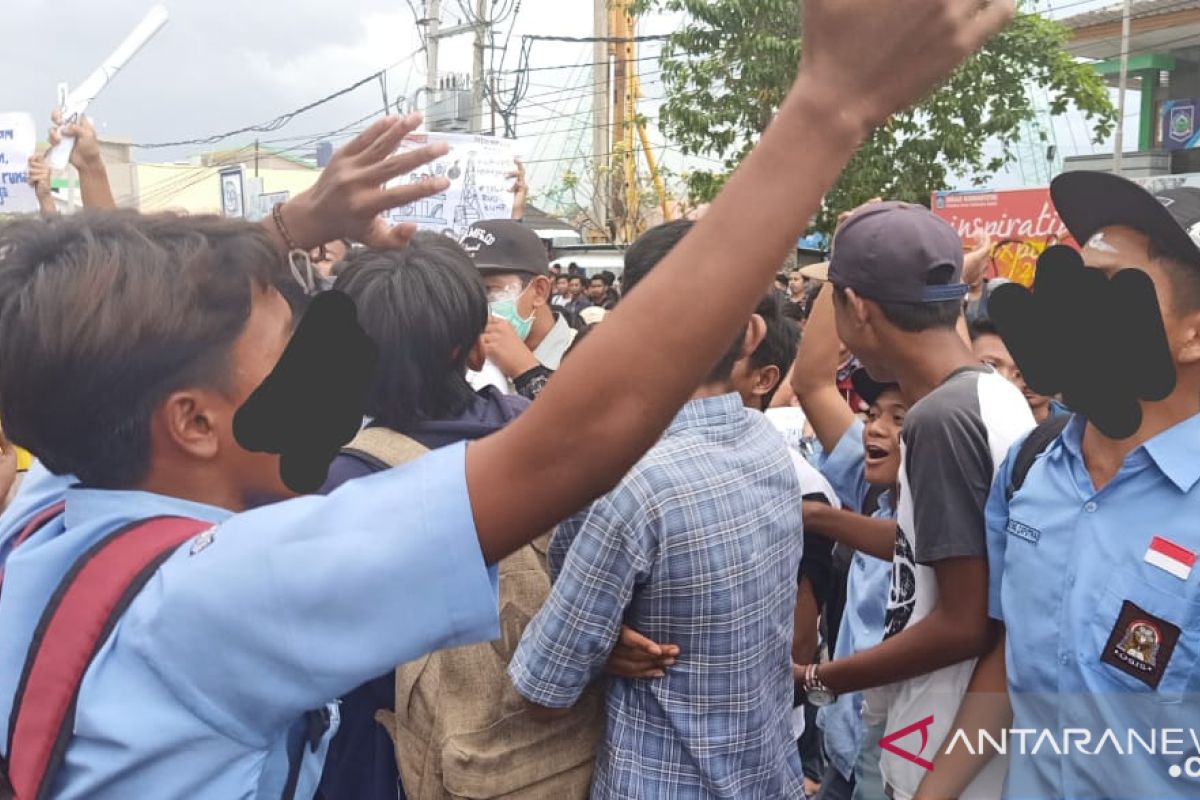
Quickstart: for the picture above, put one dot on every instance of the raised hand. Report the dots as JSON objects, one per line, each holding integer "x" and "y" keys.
{"x": 881, "y": 57}
{"x": 86, "y": 154}
{"x": 348, "y": 198}
{"x": 520, "y": 191}
{"x": 39, "y": 175}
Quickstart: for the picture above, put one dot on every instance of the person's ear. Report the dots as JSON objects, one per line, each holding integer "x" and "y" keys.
{"x": 756, "y": 331}
{"x": 764, "y": 380}
{"x": 1189, "y": 350}
{"x": 188, "y": 421}
{"x": 477, "y": 357}
{"x": 859, "y": 310}
{"x": 540, "y": 291}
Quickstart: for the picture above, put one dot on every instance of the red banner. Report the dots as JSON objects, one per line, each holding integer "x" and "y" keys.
{"x": 1021, "y": 222}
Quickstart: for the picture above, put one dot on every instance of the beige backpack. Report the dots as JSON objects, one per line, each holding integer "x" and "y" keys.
{"x": 460, "y": 728}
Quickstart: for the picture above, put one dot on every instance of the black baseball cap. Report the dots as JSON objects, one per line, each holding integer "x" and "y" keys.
{"x": 867, "y": 387}
{"x": 505, "y": 245}
{"x": 898, "y": 253}
{"x": 1089, "y": 201}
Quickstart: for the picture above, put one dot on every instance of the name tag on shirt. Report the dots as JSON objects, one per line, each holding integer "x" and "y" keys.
{"x": 1170, "y": 557}
{"x": 1023, "y": 531}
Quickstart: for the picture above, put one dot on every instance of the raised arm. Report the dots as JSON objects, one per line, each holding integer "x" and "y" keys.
{"x": 39, "y": 179}
{"x": 814, "y": 376}
{"x": 632, "y": 380}
{"x": 85, "y": 157}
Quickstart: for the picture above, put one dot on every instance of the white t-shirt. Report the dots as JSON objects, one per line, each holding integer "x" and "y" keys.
{"x": 953, "y": 443}
{"x": 549, "y": 354}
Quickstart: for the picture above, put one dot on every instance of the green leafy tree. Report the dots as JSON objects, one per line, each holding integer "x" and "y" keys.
{"x": 729, "y": 66}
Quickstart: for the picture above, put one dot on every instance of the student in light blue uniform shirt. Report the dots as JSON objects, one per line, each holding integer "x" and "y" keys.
{"x": 1098, "y": 588}
{"x": 862, "y": 464}
{"x": 129, "y": 346}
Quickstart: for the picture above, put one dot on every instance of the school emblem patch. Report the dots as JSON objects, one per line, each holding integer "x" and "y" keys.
{"x": 1141, "y": 645}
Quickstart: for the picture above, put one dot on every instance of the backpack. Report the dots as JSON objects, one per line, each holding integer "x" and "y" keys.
{"x": 81, "y": 615}
{"x": 1033, "y": 446}
{"x": 459, "y": 727}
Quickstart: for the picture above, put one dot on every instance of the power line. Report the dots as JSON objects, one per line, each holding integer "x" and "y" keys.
{"x": 283, "y": 119}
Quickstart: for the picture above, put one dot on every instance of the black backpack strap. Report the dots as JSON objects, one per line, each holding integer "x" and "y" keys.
{"x": 1031, "y": 448}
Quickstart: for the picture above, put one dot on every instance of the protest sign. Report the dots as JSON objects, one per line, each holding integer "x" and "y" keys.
{"x": 17, "y": 141}
{"x": 477, "y": 168}
{"x": 1021, "y": 222}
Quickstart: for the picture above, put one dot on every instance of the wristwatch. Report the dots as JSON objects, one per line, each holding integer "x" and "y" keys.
{"x": 818, "y": 694}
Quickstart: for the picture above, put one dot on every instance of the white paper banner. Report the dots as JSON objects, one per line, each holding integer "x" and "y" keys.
{"x": 18, "y": 138}
{"x": 478, "y": 168}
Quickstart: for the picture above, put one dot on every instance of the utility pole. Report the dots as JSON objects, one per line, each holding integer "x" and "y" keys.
{"x": 617, "y": 221}
{"x": 433, "y": 27}
{"x": 483, "y": 29}
{"x": 600, "y": 116}
{"x": 1123, "y": 83}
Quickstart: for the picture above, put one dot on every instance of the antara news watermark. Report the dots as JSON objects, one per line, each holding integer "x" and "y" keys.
{"x": 1170, "y": 742}
{"x": 1178, "y": 743}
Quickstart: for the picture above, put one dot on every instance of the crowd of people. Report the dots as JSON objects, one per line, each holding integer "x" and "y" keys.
{"x": 591, "y": 535}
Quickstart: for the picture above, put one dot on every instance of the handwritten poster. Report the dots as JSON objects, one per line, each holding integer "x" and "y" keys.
{"x": 477, "y": 167}
{"x": 18, "y": 138}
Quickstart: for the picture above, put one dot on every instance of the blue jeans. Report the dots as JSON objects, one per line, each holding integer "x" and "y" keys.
{"x": 834, "y": 786}
{"x": 868, "y": 780}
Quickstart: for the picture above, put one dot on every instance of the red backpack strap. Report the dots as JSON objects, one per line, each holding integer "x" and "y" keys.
{"x": 77, "y": 621}
{"x": 33, "y": 526}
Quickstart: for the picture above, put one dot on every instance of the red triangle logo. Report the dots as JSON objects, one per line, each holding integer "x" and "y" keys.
{"x": 888, "y": 743}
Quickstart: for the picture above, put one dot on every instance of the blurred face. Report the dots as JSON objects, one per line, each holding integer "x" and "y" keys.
{"x": 881, "y": 438}
{"x": 797, "y": 284}
{"x": 597, "y": 290}
{"x": 505, "y": 286}
{"x": 252, "y": 358}
{"x": 560, "y": 287}
{"x": 1115, "y": 248}
{"x": 575, "y": 287}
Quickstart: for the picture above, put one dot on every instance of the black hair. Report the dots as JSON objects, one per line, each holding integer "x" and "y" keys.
{"x": 103, "y": 314}
{"x": 982, "y": 327}
{"x": 608, "y": 277}
{"x": 595, "y": 278}
{"x": 580, "y": 278}
{"x": 794, "y": 311}
{"x": 779, "y": 346}
{"x": 916, "y": 317}
{"x": 425, "y": 307}
{"x": 1184, "y": 275}
{"x": 651, "y": 248}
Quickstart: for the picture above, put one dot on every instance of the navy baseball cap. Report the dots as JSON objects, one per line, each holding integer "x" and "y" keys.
{"x": 1088, "y": 201}
{"x": 898, "y": 253}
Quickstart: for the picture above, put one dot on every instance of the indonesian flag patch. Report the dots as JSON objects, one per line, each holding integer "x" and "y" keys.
{"x": 1170, "y": 557}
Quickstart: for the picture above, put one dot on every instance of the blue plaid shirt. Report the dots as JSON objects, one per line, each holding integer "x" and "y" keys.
{"x": 699, "y": 545}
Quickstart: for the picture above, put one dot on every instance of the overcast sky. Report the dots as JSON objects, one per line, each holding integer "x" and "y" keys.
{"x": 225, "y": 64}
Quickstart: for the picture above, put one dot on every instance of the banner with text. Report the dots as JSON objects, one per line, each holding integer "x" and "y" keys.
{"x": 18, "y": 138}
{"x": 478, "y": 168}
{"x": 1021, "y": 222}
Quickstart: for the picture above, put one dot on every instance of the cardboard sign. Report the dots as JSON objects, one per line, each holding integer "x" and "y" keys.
{"x": 18, "y": 138}
{"x": 477, "y": 167}
{"x": 1021, "y": 222}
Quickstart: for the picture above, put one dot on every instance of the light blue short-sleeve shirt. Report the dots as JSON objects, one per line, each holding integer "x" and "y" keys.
{"x": 1102, "y": 614}
{"x": 212, "y": 669}
{"x": 867, "y": 587}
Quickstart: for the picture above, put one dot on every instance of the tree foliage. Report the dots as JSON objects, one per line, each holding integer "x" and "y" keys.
{"x": 727, "y": 69}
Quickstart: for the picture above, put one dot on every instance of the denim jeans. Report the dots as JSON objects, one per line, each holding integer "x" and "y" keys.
{"x": 868, "y": 780}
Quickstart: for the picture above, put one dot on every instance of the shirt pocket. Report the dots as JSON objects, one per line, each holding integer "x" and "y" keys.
{"x": 1166, "y": 647}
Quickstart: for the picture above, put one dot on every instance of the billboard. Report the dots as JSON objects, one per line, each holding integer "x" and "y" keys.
{"x": 1021, "y": 222}
{"x": 1179, "y": 124}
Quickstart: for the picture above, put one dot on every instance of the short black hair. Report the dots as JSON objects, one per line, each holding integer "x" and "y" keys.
{"x": 916, "y": 317}
{"x": 982, "y": 327}
{"x": 779, "y": 346}
{"x": 425, "y": 307}
{"x": 608, "y": 277}
{"x": 579, "y": 278}
{"x": 651, "y": 248}
{"x": 103, "y": 314}
{"x": 1184, "y": 274}
{"x": 595, "y": 278}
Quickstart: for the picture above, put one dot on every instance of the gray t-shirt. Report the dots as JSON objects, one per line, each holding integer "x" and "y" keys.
{"x": 953, "y": 442}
